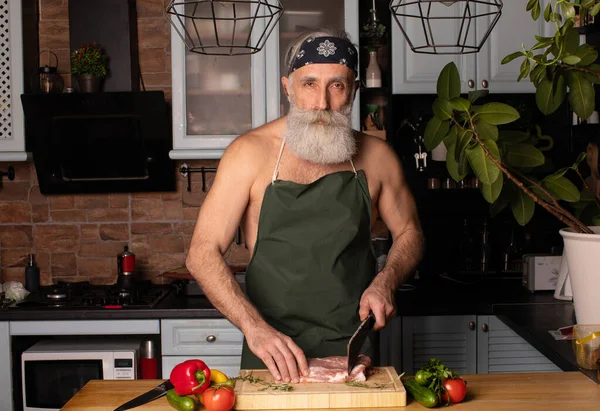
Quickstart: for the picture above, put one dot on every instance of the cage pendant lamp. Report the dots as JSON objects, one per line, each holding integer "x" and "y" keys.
{"x": 446, "y": 26}
{"x": 224, "y": 28}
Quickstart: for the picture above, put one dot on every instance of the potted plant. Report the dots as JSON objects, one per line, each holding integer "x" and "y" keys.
{"x": 373, "y": 36}
{"x": 89, "y": 65}
{"x": 505, "y": 161}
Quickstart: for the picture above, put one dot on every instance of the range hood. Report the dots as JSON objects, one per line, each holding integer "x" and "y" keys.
{"x": 100, "y": 142}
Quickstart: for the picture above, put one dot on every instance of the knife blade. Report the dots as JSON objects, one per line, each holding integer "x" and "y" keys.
{"x": 357, "y": 340}
{"x": 146, "y": 397}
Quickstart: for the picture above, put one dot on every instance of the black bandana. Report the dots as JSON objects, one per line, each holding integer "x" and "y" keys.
{"x": 326, "y": 50}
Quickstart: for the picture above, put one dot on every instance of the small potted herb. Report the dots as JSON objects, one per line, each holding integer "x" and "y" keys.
{"x": 89, "y": 65}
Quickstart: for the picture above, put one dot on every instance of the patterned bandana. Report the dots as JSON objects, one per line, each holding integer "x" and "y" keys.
{"x": 326, "y": 50}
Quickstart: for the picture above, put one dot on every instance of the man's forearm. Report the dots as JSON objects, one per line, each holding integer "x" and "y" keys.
{"x": 224, "y": 292}
{"x": 404, "y": 255}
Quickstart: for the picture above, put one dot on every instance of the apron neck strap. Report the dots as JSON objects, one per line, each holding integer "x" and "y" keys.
{"x": 276, "y": 171}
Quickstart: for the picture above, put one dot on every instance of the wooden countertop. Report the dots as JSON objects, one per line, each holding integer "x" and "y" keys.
{"x": 492, "y": 392}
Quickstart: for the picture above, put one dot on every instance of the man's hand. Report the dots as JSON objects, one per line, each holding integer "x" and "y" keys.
{"x": 379, "y": 299}
{"x": 284, "y": 359}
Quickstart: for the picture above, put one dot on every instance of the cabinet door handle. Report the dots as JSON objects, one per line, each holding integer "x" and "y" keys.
{"x": 471, "y": 83}
{"x": 211, "y": 338}
{"x": 484, "y": 328}
{"x": 484, "y": 83}
{"x": 471, "y": 325}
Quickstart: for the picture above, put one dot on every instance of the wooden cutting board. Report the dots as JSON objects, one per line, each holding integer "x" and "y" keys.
{"x": 321, "y": 395}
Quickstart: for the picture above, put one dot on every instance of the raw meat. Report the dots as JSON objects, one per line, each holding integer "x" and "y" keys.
{"x": 335, "y": 369}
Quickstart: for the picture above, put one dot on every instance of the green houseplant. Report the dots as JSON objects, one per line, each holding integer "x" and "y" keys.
{"x": 505, "y": 161}
{"x": 89, "y": 65}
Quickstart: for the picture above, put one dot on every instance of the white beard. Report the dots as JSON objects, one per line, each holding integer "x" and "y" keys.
{"x": 329, "y": 142}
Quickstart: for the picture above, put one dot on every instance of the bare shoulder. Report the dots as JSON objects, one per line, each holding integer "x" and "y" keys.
{"x": 374, "y": 153}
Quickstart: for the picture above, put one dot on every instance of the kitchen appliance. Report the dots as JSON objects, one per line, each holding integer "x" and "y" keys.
{"x": 54, "y": 370}
{"x": 540, "y": 272}
{"x": 126, "y": 269}
{"x": 83, "y": 295}
{"x": 100, "y": 142}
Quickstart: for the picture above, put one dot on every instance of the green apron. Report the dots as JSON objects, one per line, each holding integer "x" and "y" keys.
{"x": 312, "y": 260}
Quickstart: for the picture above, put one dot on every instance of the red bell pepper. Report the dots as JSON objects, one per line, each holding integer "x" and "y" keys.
{"x": 190, "y": 377}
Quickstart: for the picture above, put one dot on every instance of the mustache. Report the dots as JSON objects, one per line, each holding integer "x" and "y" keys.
{"x": 321, "y": 117}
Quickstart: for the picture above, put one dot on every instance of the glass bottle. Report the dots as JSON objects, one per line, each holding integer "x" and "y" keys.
{"x": 512, "y": 260}
{"x": 373, "y": 74}
{"x": 484, "y": 256}
{"x": 466, "y": 249}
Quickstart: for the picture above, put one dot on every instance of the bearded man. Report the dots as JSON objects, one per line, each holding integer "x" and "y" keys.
{"x": 306, "y": 189}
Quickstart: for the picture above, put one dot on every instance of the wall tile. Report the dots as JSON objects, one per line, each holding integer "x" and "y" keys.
{"x": 54, "y": 35}
{"x": 17, "y": 212}
{"x": 90, "y": 201}
{"x": 150, "y": 8}
{"x": 16, "y": 236}
{"x": 90, "y": 232}
{"x": 151, "y": 228}
{"x": 36, "y": 197}
{"x": 152, "y": 60}
{"x": 167, "y": 244}
{"x": 114, "y": 232}
{"x": 64, "y": 264}
{"x": 62, "y": 202}
{"x": 68, "y": 215}
{"x": 56, "y": 237}
{"x": 108, "y": 214}
{"x": 15, "y": 257}
{"x": 153, "y": 33}
{"x": 22, "y": 170}
{"x": 146, "y": 210}
{"x": 191, "y": 213}
{"x": 102, "y": 249}
{"x": 119, "y": 200}
{"x": 140, "y": 244}
{"x": 173, "y": 210}
{"x": 161, "y": 262}
{"x": 186, "y": 228}
{"x": 53, "y": 10}
{"x": 40, "y": 213}
{"x": 96, "y": 267}
{"x": 15, "y": 190}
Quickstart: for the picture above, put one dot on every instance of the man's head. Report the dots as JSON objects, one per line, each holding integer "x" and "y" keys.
{"x": 321, "y": 84}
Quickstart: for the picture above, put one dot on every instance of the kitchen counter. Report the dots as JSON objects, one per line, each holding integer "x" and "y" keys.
{"x": 494, "y": 392}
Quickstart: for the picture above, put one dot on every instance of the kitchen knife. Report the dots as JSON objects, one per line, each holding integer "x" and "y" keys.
{"x": 357, "y": 340}
{"x": 145, "y": 398}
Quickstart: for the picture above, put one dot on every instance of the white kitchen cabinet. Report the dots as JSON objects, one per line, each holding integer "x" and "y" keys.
{"x": 12, "y": 130}
{"x": 214, "y": 341}
{"x": 501, "y": 350}
{"x": 217, "y": 98}
{"x": 415, "y": 73}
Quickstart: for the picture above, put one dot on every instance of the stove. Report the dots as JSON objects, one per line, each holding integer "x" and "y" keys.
{"x": 83, "y": 295}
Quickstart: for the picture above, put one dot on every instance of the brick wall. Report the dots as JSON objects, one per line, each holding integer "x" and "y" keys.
{"x": 77, "y": 237}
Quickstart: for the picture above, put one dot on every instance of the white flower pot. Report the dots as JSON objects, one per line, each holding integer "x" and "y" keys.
{"x": 583, "y": 259}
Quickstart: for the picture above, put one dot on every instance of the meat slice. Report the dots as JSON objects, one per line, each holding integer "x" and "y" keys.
{"x": 335, "y": 369}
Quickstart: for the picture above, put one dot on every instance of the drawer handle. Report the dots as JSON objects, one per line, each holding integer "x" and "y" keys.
{"x": 211, "y": 338}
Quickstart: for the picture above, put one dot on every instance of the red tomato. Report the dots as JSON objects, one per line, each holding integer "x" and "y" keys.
{"x": 220, "y": 399}
{"x": 455, "y": 388}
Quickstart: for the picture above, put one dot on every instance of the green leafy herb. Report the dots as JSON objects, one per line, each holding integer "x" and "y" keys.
{"x": 375, "y": 385}
{"x": 267, "y": 385}
{"x": 437, "y": 373}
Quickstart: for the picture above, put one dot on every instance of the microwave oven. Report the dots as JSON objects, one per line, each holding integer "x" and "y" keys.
{"x": 53, "y": 371}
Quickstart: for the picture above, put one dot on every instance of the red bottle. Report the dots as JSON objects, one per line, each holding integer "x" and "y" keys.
{"x": 126, "y": 262}
{"x": 148, "y": 361}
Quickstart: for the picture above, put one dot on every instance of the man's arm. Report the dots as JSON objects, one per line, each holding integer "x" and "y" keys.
{"x": 398, "y": 211}
{"x": 219, "y": 217}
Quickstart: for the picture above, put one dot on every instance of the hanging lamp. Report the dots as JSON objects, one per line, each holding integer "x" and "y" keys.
{"x": 224, "y": 28}
{"x": 427, "y": 24}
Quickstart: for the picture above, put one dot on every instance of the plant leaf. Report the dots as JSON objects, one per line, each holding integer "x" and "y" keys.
{"x": 442, "y": 109}
{"x": 548, "y": 98}
{"x": 548, "y": 11}
{"x": 581, "y": 95}
{"x": 571, "y": 42}
{"x": 557, "y": 174}
{"x": 485, "y": 170}
{"x": 522, "y": 207}
{"x": 448, "y": 84}
{"x": 535, "y": 12}
{"x": 580, "y": 158}
{"x": 486, "y": 131}
{"x": 562, "y": 189}
{"x": 595, "y": 10}
{"x": 452, "y": 165}
{"x": 512, "y": 56}
{"x": 491, "y": 192}
{"x": 474, "y": 95}
{"x": 450, "y": 138}
{"x": 531, "y": 4}
{"x": 524, "y": 155}
{"x": 568, "y": 10}
{"x": 464, "y": 137}
{"x": 460, "y": 104}
{"x": 587, "y": 54}
{"x": 498, "y": 113}
{"x": 435, "y": 131}
{"x": 571, "y": 59}
{"x": 512, "y": 136}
